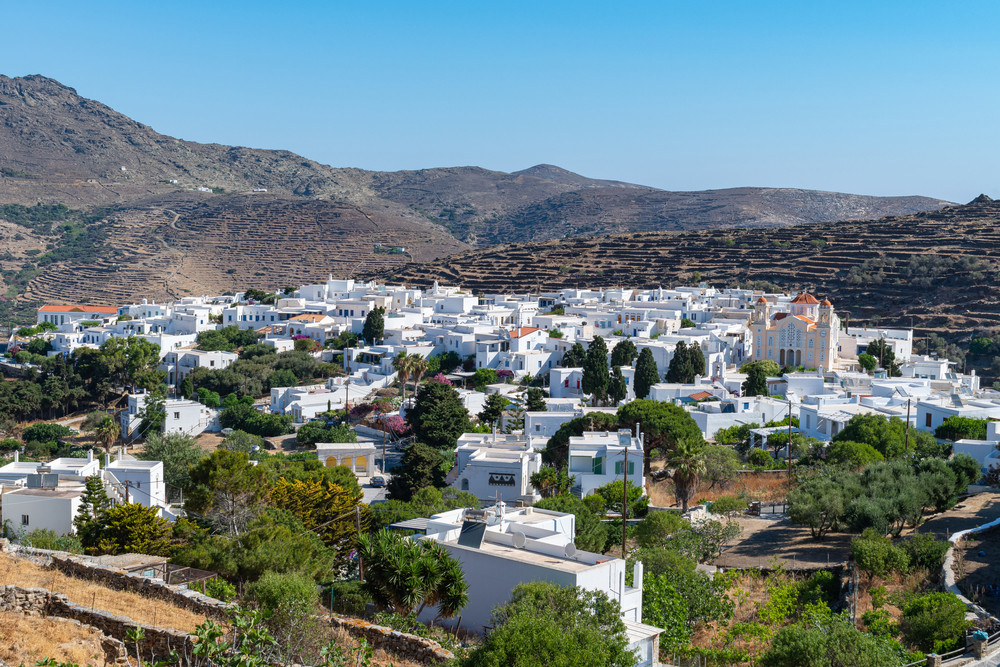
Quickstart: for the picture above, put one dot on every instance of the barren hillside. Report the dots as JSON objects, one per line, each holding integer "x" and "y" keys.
{"x": 937, "y": 269}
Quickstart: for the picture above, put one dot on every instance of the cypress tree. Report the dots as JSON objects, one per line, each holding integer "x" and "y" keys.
{"x": 646, "y": 373}
{"x": 617, "y": 389}
{"x": 624, "y": 353}
{"x": 374, "y": 329}
{"x": 595, "y": 370}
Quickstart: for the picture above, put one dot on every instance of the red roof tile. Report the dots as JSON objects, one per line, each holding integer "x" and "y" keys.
{"x": 806, "y": 298}
{"x": 523, "y": 331}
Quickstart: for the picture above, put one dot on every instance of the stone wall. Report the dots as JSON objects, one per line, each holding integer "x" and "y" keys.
{"x": 117, "y": 579}
{"x": 419, "y": 649}
{"x": 158, "y": 642}
{"x": 948, "y": 569}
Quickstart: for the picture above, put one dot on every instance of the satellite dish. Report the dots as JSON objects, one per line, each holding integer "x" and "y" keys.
{"x": 519, "y": 540}
{"x": 570, "y": 550}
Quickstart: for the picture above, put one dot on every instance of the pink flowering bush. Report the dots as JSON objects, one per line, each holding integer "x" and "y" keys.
{"x": 440, "y": 378}
{"x": 396, "y": 425}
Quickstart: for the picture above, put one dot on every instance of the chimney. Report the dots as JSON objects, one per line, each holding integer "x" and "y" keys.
{"x": 17, "y": 456}
{"x": 90, "y": 455}
{"x": 107, "y": 460}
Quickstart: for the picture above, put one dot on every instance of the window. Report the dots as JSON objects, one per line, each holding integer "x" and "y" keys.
{"x": 770, "y": 341}
{"x": 746, "y": 406}
{"x": 598, "y": 465}
{"x": 928, "y": 422}
{"x": 177, "y": 415}
{"x": 811, "y": 341}
{"x": 538, "y": 427}
{"x": 566, "y": 383}
{"x": 618, "y": 467}
{"x": 24, "y": 519}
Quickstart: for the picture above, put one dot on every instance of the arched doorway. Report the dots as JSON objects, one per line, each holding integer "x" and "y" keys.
{"x": 781, "y": 358}
{"x": 361, "y": 465}
{"x": 346, "y": 461}
{"x": 331, "y": 461}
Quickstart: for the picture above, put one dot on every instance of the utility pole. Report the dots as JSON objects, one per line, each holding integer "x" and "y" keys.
{"x": 906, "y": 442}
{"x": 788, "y": 452}
{"x": 357, "y": 522}
{"x": 128, "y": 483}
{"x": 625, "y": 497}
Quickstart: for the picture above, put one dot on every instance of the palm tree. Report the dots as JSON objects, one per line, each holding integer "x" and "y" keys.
{"x": 107, "y": 432}
{"x": 403, "y": 364}
{"x": 418, "y": 367}
{"x": 688, "y": 464}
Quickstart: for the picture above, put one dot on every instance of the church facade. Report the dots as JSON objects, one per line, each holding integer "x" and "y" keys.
{"x": 807, "y": 335}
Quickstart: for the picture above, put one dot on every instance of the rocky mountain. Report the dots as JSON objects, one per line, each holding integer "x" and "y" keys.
{"x": 57, "y": 147}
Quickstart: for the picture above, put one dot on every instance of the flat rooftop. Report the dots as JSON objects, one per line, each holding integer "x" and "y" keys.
{"x": 47, "y": 493}
{"x": 560, "y": 563}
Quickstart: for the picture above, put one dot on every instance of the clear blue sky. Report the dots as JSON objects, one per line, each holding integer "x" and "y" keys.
{"x": 865, "y": 97}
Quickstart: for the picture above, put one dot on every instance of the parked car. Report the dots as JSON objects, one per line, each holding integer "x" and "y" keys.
{"x": 378, "y": 480}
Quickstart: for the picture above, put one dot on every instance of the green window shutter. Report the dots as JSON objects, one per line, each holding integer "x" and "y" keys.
{"x": 618, "y": 467}
{"x": 598, "y": 468}
{"x": 631, "y": 468}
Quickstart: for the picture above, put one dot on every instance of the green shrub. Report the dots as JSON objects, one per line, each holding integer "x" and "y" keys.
{"x": 45, "y": 432}
{"x": 760, "y": 458}
{"x": 654, "y": 529}
{"x": 925, "y": 552}
{"x": 290, "y": 602}
{"x": 934, "y": 622}
{"x": 876, "y": 555}
{"x": 728, "y": 504}
{"x": 348, "y": 597}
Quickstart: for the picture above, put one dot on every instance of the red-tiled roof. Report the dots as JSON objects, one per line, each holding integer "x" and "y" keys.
{"x": 523, "y": 331}
{"x": 107, "y": 310}
{"x": 806, "y": 298}
{"x": 700, "y": 396}
{"x": 779, "y": 316}
{"x": 307, "y": 317}
{"x": 825, "y": 302}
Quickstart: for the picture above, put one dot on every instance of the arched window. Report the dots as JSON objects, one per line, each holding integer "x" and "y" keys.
{"x": 465, "y": 484}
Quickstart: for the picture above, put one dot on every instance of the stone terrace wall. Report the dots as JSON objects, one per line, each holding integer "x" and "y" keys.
{"x": 120, "y": 580}
{"x": 419, "y": 649}
{"x": 158, "y": 642}
{"x": 117, "y": 579}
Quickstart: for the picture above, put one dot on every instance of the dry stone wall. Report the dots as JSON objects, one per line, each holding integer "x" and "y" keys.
{"x": 403, "y": 644}
{"x": 120, "y": 580}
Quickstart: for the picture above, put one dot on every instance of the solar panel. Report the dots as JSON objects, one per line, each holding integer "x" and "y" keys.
{"x": 472, "y": 534}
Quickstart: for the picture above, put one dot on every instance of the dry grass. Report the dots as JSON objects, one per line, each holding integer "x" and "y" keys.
{"x": 766, "y": 487}
{"x": 26, "y": 639}
{"x": 23, "y": 573}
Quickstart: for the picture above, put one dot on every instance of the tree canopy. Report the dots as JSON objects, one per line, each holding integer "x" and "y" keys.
{"x": 438, "y": 416}
{"x": 545, "y": 624}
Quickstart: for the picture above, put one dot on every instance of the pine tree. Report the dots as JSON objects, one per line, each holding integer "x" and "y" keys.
{"x": 535, "y": 401}
{"x": 595, "y": 370}
{"x": 646, "y": 373}
{"x": 756, "y": 382}
{"x": 94, "y": 504}
{"x": 493, "y": 409}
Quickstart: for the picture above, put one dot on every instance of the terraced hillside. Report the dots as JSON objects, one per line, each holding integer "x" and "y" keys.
{"x": 191, "y": 244}
{"x": 936, "y": 269}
